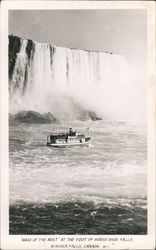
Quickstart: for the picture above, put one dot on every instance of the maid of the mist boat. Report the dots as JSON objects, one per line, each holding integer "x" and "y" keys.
{"x": 70, "y": 139}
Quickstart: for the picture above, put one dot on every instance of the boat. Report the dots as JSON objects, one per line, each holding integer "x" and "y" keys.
{"x": 69, "y": 139}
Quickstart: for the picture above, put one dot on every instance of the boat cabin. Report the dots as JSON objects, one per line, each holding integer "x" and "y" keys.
{"x": 70, "y": 137}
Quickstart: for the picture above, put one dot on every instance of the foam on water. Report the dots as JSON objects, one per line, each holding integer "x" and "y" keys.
{"x": 114, "y": 166}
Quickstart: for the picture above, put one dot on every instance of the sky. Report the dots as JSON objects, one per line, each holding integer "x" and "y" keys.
{"x": 118, "y": 31}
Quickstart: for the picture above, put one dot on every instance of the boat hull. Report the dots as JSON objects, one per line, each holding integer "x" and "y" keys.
{"x": 69, "y": 144}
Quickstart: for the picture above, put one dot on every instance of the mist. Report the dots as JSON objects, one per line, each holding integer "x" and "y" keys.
{"x": 65, "y": 81}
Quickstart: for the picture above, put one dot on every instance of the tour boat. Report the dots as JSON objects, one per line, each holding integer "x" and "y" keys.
{"x": 69, "y": 139}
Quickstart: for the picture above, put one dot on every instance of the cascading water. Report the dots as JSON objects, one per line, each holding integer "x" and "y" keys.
{"x": 57, "y": 191}
{"x": 46, "y": 77}
{"x": 18, "y": 82}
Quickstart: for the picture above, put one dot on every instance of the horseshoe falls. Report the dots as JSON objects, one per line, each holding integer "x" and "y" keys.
{"x": 100, "y": 189}
{"x": 63, "y": 81}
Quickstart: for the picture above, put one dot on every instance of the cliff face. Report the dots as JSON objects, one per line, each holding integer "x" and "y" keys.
{"x": 14, "y": 48}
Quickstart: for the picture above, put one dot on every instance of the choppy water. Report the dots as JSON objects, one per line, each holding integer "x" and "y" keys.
{"x": 99, "y": 189}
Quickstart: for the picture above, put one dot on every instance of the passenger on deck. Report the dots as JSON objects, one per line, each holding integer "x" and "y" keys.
{"x": 51, "y": 138}
{"x": 76, "y": 134}
{"x": 70, "y": 132}
{"x": 66, "y": 137}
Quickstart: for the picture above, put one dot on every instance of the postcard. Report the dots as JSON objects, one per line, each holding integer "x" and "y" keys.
{"x": 78, "y": 125}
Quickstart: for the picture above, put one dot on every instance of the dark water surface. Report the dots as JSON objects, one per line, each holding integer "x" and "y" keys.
{"x": 99, "y": 189}
{"x": 78, "y": 218}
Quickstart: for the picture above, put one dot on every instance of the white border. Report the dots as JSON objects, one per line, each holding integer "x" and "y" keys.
{"x": 139, "y": 242}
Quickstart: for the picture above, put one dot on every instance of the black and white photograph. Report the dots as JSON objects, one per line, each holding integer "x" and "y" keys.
{"x": 77, "y": 122}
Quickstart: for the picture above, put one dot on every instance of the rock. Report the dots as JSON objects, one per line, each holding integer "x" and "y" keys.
{"x": 82, "y": 113}
{"x": 34, "y": 117}
{"x": 89, "y": 115}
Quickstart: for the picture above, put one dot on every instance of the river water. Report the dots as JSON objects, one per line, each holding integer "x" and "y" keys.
{"x": 100, "y": 189}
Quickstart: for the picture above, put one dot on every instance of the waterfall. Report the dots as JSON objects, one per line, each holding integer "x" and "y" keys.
{"x": 18, "y": 82}
{"x": 48, "y": 78}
